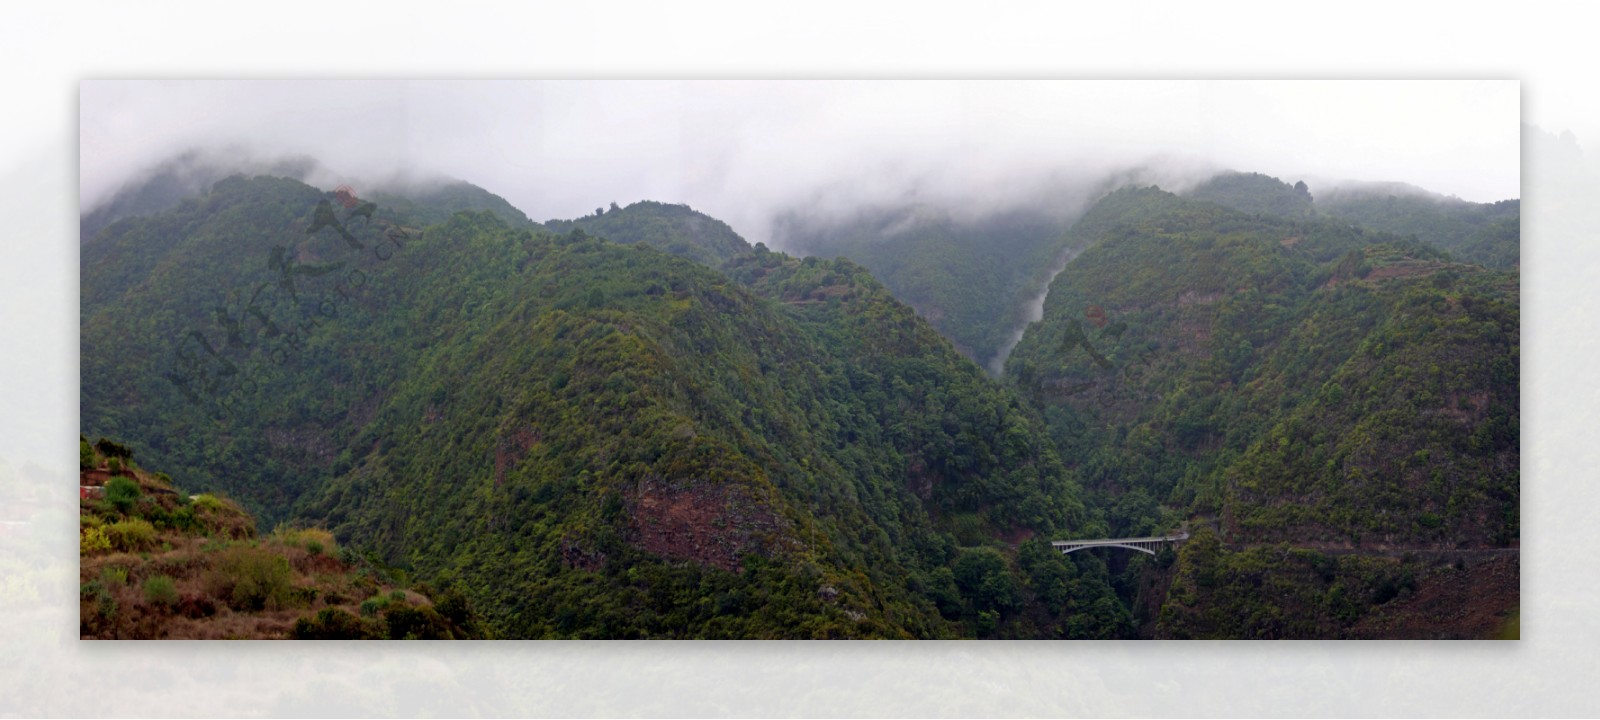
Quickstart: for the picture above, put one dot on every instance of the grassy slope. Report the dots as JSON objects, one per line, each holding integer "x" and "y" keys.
{"x": 157, "y": 563}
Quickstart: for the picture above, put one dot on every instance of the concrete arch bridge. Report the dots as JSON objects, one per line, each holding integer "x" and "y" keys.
{"x": 1147, "y": 545}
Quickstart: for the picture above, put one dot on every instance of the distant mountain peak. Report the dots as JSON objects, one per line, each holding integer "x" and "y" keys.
{"x": 675, "y": 228}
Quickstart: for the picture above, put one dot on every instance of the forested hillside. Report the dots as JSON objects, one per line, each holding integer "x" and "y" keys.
{"x": 585, "y": 438}
{"x": 1256, "y": 194}
{"x": 969, "y": 277}
{"x": 1487, "y": 234}
{"x": 1300, "y": 381}
{"x": 634, "y": 424}
{"x": 677, "y": 229}
{"x": 184, "y": 176}
{"x": 201, "y": 334}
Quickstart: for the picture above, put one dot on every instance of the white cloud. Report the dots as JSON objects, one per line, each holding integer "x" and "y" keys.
{"x": 742, "y": 150}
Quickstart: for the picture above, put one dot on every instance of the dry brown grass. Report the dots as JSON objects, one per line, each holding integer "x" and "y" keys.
{"x": 228, "y": 583}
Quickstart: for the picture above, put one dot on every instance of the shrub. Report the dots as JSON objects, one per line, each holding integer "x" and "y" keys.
{"x": 372, "y": 605}
{"x": 196, "y": 606}
{"x": 93, "y": 540}
{"x": 114, "y": 465}
{"x": 184, "y": 519}
{"x": 253, "y": 578}
{"x": 222, "y": 517}
{"x": 85, "y": 454}
{"x": 330, "y": 624}
{"x": 453, "y": 605}
{"x": 105, "y": 601}
{"x": 114, "y": 575}
{"x": 160, "y": 590}
{"x": 408, "y": 622}
{"x": 131, "y": 535}
{"x": 315, "y": 540}
{"x": 112, "y": 450}
{"x": 122, "y": 493}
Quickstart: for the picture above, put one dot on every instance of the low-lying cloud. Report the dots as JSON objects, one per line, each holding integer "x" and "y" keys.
{"x": 745, "y": 151}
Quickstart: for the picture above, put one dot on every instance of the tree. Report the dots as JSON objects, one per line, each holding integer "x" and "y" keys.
{"x": 112, "y": 450}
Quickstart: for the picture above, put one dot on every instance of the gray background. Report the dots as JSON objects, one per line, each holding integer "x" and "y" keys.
{"x": 45, "y": 50}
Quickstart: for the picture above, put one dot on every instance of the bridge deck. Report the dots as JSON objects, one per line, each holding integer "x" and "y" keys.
{"x": 1123, "y": 541}
{"x": 1147, "y": 545}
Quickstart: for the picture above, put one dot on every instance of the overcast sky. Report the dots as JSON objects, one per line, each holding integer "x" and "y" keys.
{"x": 742, "y": 150}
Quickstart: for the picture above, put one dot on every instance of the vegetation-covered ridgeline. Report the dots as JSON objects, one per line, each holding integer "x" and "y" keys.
{"x": 186, "y": 312}
{"x": 676, "y": 229}
{"x": 1487, "y": 234}
{"x": 969, "y": 277}
{"x": 156, "y": 563}
{"x": 1256, "y": 194}
{"x": 586, "y": 438}
{"x": 636, "y": 425}
{"x": 186, "y": 175}
{"x": 1305, "y": 382}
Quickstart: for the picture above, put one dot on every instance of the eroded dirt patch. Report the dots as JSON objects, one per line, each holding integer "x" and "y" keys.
{"x": 710, "y": 524}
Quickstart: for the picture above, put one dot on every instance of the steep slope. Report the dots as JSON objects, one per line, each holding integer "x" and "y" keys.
{"x": 1302, "y": 381}
{"x": 1256, "y": 194}
{"x": 677, "y": 229}
{"x": 969, "y": 277}
{"x": 591, "y": 439}
{"x": 135, "y": 231}
{"x": 186, "y": 175}
{"x": 640, "y": 429}
{"x": 156, "y": 563}
{"x": 1488, "y": 234}
{"x": 430, "y": 202}
{"x": 198, "y": 329}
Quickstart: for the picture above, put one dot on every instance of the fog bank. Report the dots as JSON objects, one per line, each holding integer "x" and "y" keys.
{"x": 745, "y": 151}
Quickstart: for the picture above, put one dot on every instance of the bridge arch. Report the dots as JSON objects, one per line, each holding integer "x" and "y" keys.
{"x": 1075, "y": 548}
{"x": 1146, "y": 545}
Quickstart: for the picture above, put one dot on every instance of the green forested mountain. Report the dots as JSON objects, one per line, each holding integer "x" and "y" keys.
{"x": 676, "y": 229}
{"x": 187, "y": 175}
{"x": 587, "y": 439}
{"x": 1255, "y": 193}
{"x": 969, "y": 277}
{"x": 1301, "y": 381}
{"x": 1487, "y": 234}
{"x": 426, "y": 203}
{"x": 635, "y": 424}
